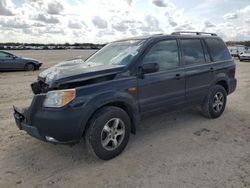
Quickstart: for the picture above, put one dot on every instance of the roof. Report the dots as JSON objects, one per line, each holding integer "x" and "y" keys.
{"x": 179, "y": 34}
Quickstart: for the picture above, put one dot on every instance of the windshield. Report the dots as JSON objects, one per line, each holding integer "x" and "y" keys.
{"x": 117, "y": 53}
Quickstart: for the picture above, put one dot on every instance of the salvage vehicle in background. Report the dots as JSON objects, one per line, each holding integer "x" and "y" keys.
{"x": 236, "y": 50}
{"x": 11, "y": 62}
{"x": 104, "y": 98}
{"x": 245, "y": 55}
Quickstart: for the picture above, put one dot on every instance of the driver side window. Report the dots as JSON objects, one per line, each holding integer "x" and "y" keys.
{"x": 165, "y": 53}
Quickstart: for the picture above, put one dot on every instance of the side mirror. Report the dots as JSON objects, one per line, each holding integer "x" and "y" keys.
{"x": 147, "y": 68}
{"x": 150, "y": 68}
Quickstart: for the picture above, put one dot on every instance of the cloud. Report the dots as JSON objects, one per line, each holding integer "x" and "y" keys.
{"x": 55, "y": 7}
{"x": 245, "y": 10}
{"x": 247, "y": 20}
{"x": 152, "y": 23}
{"x": 160, "y": 3}
{"x": 47, "y": 19}
{"x": 121, "y": 26}
{"x": 208, "y": 24}
{"x": 230, "y": 16}
{"x": 5, "y": 9}
{"x": 184, "y": 27}
{"x": 99, "y": 22}
{"x": 75, "y": 25}
{"x": 129, "y": 2}
{"x": 103, "y": 21}
{"x": 172, "y": 22}
{"x": 52, "y": 30}
{"x": 14, "y": 22}
{"x": 38, "y": 24}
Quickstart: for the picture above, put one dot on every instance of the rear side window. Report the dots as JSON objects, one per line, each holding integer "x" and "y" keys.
{"x": 218, "y": 50}
{"x": 192, "y": 51}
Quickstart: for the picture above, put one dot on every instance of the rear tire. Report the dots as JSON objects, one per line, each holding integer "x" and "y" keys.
{"x": 29, "y": 67}
{"x": 108, "y": 132}
{"x": 215, "y": 102}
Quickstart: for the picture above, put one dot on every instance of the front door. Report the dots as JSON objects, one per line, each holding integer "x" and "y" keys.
{"x": 165, "y": 89}
{"x": 7, "y": 62}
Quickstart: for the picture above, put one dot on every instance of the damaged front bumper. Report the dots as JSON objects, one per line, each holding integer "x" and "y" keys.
{"x": 19, "y": 115}
{"x": 62, "y": 125}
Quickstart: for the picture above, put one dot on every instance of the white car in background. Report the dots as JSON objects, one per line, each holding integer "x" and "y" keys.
{"x": 245, "y": 55}
{"x": 236, "y": 50}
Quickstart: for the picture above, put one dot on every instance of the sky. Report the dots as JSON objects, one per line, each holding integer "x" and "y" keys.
{"x": 101, "y": 21}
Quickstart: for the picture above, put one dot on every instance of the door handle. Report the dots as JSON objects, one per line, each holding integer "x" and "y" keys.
{"x": 211, "y": 69}
{"x": 178, "y": 76}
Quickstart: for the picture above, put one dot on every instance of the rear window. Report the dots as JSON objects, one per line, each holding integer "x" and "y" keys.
{"x": 218, "y": 49}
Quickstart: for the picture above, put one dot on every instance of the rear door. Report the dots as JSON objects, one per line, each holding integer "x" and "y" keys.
{"x": 198, "y": 68}
{"x": 165, "y": 89}
{"x": 222, "y": 61}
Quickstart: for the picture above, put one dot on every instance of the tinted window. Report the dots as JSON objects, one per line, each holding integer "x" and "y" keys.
{"x": 207, "y": 56}
{"x": 2, "y": 54}
{"x": 218, "y": 49}
{"x": 165, "y": 53}
{"x": 192, "y": 51}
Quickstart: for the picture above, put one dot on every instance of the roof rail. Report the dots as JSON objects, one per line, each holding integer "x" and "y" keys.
{"x": 193, "y": 32}
{"x": 157, "y": 34}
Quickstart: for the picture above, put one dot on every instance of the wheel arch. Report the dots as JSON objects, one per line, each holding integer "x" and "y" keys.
{"x": 128, "y": 106}
{"x": 222, "y": 80}
{"x": 224, "y": 84}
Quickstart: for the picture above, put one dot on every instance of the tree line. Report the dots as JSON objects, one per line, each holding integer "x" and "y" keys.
{"x": 13, "y": 45}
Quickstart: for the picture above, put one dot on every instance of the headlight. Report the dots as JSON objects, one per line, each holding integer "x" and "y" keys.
{"x": 59, "y": 98}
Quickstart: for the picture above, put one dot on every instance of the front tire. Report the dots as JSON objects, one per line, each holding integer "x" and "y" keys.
{"x": 215, "y": 102}
{"x": 108, "y": 132}
{"x": 29, "y": 67}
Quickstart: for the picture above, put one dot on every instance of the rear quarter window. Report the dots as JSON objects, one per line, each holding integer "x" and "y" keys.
{"x": 218, "y": 50}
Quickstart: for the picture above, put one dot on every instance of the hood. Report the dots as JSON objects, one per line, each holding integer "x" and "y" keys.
{"x": 245, "y": 53}
{"x": 28, "y": 59}
{"x": 77, "y": 70}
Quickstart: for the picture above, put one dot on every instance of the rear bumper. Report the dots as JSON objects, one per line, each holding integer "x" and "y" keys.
{"x": 244, "y": 58}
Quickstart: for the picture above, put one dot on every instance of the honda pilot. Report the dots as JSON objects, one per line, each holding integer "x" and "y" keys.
{"x": 104, "y": 98}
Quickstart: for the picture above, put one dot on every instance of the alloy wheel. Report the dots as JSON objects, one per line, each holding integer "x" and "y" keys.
{"x": 218, "y": 102}
{"x": 112, "y": 134}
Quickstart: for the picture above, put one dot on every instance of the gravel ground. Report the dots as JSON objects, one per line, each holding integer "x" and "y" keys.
{"x": 178, "y": 149}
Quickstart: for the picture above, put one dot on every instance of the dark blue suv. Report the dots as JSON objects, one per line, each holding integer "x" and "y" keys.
{"x": 104, "y": 98}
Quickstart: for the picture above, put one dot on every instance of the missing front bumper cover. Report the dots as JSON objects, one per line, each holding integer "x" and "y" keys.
{"x": 19, "y": 115}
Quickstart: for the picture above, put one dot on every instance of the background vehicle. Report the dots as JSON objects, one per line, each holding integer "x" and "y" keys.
{"x": 9, "y": 62}
{"x": 104, "y": 98}
{"x": 236, "y": 50}
{"x": 245, "y": 55}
